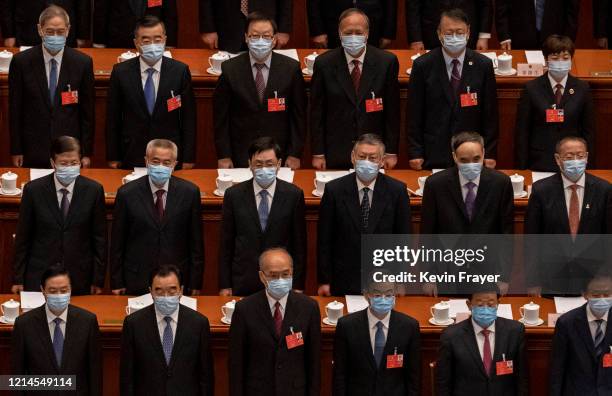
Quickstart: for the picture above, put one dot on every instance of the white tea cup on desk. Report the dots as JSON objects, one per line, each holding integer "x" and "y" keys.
{"x": 319, "y": 185}
{"x": 8, "y": 182}
{"x": 530, "y": 313}
{"x": 133, "y": 307}
{"x": 334, "y": 311}
{"x": 440, "y": 312}
{"x": 422, "y": 180}
{"x": 217, "y": 59}
{"x": 518, "y": 183}
{"x": 228, "y": 310}
{"x": 223, "y": 183}
{"x": 10, "y": 310}
{"x": 131, "y": 177}
{"x": 309, "y": 61}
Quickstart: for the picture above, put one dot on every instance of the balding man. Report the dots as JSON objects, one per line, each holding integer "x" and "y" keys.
{"x": 274, "y": 339}
{"x": 354, "y": 90}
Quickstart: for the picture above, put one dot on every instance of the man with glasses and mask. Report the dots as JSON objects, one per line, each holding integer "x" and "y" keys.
{"x": 149, "y": 97}
{"x": 388, "y": 362}
{"x": 166, "y": 347}
{"x": 275, "y": 335}
{"x": 51, "y": 94}
{"x": 354, "y": 90}
{"x": 259, "y": 93}
{"x": 452, "y": 89}
{"x": 62, "y": 219}
{"x": 58, "y": 338}
{"x": 258, "y": 214}
{"x": 157, "y": 220}
{"x": 363, "y": 202}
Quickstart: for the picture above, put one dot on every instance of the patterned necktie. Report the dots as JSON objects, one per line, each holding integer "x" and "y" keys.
{"x": 167, "y": 340}
{"x": 65, "y": 203}
{"x": 486, "y": 352}
{"x": 244, "y": 7}
{"x": 52, "y": 81}
{"x": 278, "y": 319}
{"x": 455, "y": 76}
{"x": 365, "y": 208}
{"x": 260, "y": 83}
{"x": 264, "y": 209}
{"x": 539, "y": 13}
{"x": 470, "y": 200}
{"x": 574, "y": 211}
{"x": 598, "y": 339}
{"x": 149, "y": 90}
{"x": 159, "y": 203}
{"x": 58, "y": 341}
{"x": 356, "y": 75}
{"x": 558, "y": 94}
{"x": 379, "y": 343}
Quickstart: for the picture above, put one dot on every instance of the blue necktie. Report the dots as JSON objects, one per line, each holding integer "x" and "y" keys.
{"x": 58, "y": 341}
{"x": 379, "y": 343}
{"x": 264, "y": 209}
{"x": 365, "y": 209}
{"x": 52, "y": 81}
{"x": 167, "y": 341}
{"x": 600, "y": 348}
{"x": 149, "y": 90}
{"x": 539, "y": 12}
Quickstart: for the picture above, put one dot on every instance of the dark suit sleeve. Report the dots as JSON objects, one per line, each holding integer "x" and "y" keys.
{"x": 507, "y": 206}
{"x": 222, "y": 100}
{"x": 609, "y": 209}
{"x": 572, "y": 11}
{"x": 489, "y": 115}
{"x": 119, "y": 235}
{"x": 502, "y": 19}
{"x": 413, "y": 364}
{"x": 413, "y": 20}
{"x": 389, "y": 28}
{"x": 126, "y": 364}
{"x": 533, "y": 221}
{"x": 16, "y": 108}
{"x": 403, "y": 220}
{"x": 188, "y": 118}
{"x": 485, "y": 24}
{"x": 207, "y": 16}
{"x": 99, "y": 235}
{"x": 95, "y": 359}
{"x": 318, "y": 109}
{"x": 285, "y": 16}
{"x": 196, "y": 272}
{"x": 7, "y": 21}
{"x": 100, "y": 17}
{"x": 298, "y": 115}
{"x": 559, "y": 358}
{"x": 83, "y": 22}
{"x": 114, "y": 119}
{"x": 314, "y": 352}
{"x": 444, "y": 367}
{"x": 429, "y": 211}
{"x": 416, "y": 112}
{"x": 325, "y": 236}
{"x": 236, "y": 359}
{"x": 600, "y": 18}
{"x": 523, "y": 370}
{"x": 207, "y": 364}
{"x": 523, "y": 130}
{"x": 26, "y": 228}
{"x": 392, "y": 108}
{"x": 316, "y": 26}
{"x": 587, "y": 121}
{"x": 339, "y": 362}
{"x": 19, "y": 364}
{"x": 298, "y": 241}
{"x": 171, "y": 21}
{"x": 228, "y": 238}
{"x": 87, "y": 103}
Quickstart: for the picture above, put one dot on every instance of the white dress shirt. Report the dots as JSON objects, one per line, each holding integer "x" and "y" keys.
{"x": 156, "y": 75}
{"x": 257, "y": 189}
{"x": 593, "y": 326}
{"x": 154, "y": 189}
{"x": 448, "y": 60}
{"x": 59, "y": 186}
{"x": 372, "y": 321}
{"x": 265, "y": 71}
{"x": 58, "y": 58}
{"x": 272, "y": 303}
{"x": 553, "y": 83}
{"x": 350, "y": 59}
{"x": 50, "y": 321}
{"x": 568, "y": 192}
{"x": 361, "y": 186}
{"x": 464, "y": 188}
{"x": 480, "y": 339}
{"x": 161, "y": 324}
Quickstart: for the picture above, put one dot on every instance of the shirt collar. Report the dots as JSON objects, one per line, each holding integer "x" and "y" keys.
{"x": 154, "y": 188}
{"x": 478, "y": 328}
{"x": 59, "y": 186}
{"x": 449, "y": 59}
{"x": 373, "y": 320}
{"x": 554, "y": 82}
{"x": 174, "y": 315}
{"x": 47, "y": 56}
{"x": 144, "y": 66}
{"x": 51, "y": 316}
{"x": 360, "y": 58}
{"x": 567, "y": 182}
{"x": 592, "y": 318}
{"x": 360, "y": 184}
{"x": 463, "y": 181}
{"x": 271, "y": 189}
{"x": 267, "y": 62}
{"x": 272, "y": 301}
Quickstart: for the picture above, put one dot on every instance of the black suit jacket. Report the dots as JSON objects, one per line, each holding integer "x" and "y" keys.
{"x": 516, "y": 21}
{"x": 143, "y": 366}
{"x": 34, "y": 120}
{"x": 323, "y": 18}
{"x": 259, "y": 362}
{"x": 423, "y": 18}
{"x": 114, "y": 21}
{"x": 535, "y": 138}
{"x": 225, "y": 18}
{"x": 574, "y": 368}
{"x": 355, "y": 371}
{"x": 129, "y": 126}
{"x": 19, "y": 19}
{"x": 339, "y": 231}
{"x": 140, "y": 241}
{"x": 460, "y": 371}
{"x": 242, "y": 239}
{"x": 44, "y": 238}
{"x": 435, "y": 113}
{"x": 240, "y": 118}
{"x": 32, "y": 349}
{"x": 602, "y": 19}
{"x": 338, "y": 114}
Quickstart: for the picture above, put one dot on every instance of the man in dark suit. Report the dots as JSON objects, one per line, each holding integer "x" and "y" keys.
{"x": 19, "y": 20}
{"x": 149, "y": 97}
{"x": 222, "y": 23}
{"x": 259, "y": 214}
{"x": 166, "y": 347}
{"x": 58, "y": 338}
{"x": 354, "y": 90}
{"x": 157, "y": 220}
{"x": 62, "y": 219}
{"x": 377, "y": 350}
{"x": 484, "y": 355}
{"x": 452, "y": 89}
{"x": 259, "y": 93}
{"x": 525, "y": 24}
{"x": 582, "y": 340}
{"x": 51, "y": 94}
{"x": 323, "y": 21}
{"x": 573, "y": 203}
{"x": 275, "y": 335}
{"x": 363, "y": 202}
{"x": 114, "y": 21}
{"x": 536, "y": 133}
{"x": 602, "y": 22}
{"x": 423, "y": 17}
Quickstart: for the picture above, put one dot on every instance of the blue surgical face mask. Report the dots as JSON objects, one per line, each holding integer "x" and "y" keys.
{"x": 159, "y": 174}
{"x": 278, "y": 288}
{"x": 366, "y": 170}
{"x": 559, "y": 69}
{"x": 166, "y": 305}
{"x": 54, "y": 44}
{"x": 599, "y": 306}
{"x": 470, "y": 171}
{"x": 265, "y": 176}
{"x": 454, "y": 43}
{"x": 151, "y": 53}
{"x": 574, "y": 169}
{"x": 353, "y": 44}
{"x": 382, "y": 305}
{"x": 260, "y": 47}
{"x": 58, "y": 302}
{"x": 67, "y": 174}
{"x": 484, "y": 316}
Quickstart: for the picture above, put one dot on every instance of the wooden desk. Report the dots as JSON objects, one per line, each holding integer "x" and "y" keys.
{"x": 111, "y": 311}
{"x": 586, "y": 62}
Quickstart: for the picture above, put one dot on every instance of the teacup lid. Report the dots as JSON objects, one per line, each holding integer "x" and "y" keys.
{"x": 230, "y": 303}
{"x": 442, "y": 304}
{"x": 9, "y": 175}
{"x": 129, "y": 54}
{"x": 312, "y": 56}
{"x": 516, "y": 176}
{"x": 6, "y": 54}
{"x": 335, "y": 305}
{"x": 504, "y": 56}
{"x": 220, "y": 55}
{"x": 11, "y": 303}
{"x": 531, "y": 305}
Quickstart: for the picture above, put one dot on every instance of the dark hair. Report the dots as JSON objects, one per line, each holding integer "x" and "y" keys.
{"x": 466, "y": 137}
{"x": 566, "y": 139}
{"x": 484, "y": 288}
{"x": 456, "y": 14}
{"x": 148, "y": 21}
{"x": 352, "y": 11}
{"x": 556, "y": 44}
{"x": 64, "y": 144}
{"x": 52, "y": 272}
{"x": 260, "y": 17}
{"x": 165, "y": 270}
{"x": 264, "y": 143}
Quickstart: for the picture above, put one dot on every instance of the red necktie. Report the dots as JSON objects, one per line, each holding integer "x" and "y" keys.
{"x": 486, "y": 351}
{"x": 455, "y": 76}
{"x": 558, "y": 94}
{"x": 278, "y": 319}
{"x": 356, "y": 75}
{"x": 159, "y": 203}
{"x": 574, "y": 211}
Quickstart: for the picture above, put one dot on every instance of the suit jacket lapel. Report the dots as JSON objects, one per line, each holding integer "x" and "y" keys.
{"x": 247, "y": 70}
{"x": 368, "y": 73}
{"x": 45, "y": 336}
{"x": 586, "y": 202}
{"x": 351, "y": 200}
{"x": 147, "y": 199}
{"x": 265, "y": 313}
{"x": 443, "y": 79}
{"x": 501, "y": 344}
{"x": 51, "y": 198}
{"x": 582, "y": 327}
{"x": 179, "y": 337}
{"x": 469, "y": 339}
{"x": 38, "y": 66}
{"x": 380, "y": 199}
{"x": 77, "y": 197}
{"x": 343, "y": 76}
{"x": 173, "y": 201}
{"x": 561, "y": 206}
{"x": 467, "y": 70}
{"x": 63, "y": 78}
{"x": 454, "y": 187}
{"x": 271, "y": 84}
{"x": 366, "y": 341}
{"x": 136, "y": 80}
{"x": 482, "y": 192}
{"x": 568, "y": 92}
{"x": 547, "y": 90}
{"x": 291, "y": 313}
{"x": 278, "y": 203}
{"x": 251, "y": 204}
{"x": 71, "y": 333}
{"x": 164, "y": 85}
